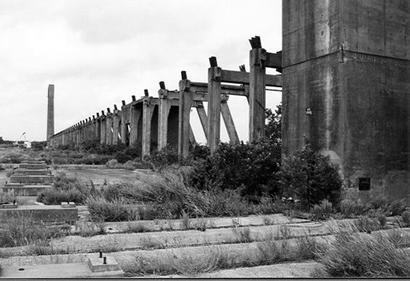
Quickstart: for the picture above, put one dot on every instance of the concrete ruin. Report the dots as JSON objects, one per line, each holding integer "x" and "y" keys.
{"x": 151, "y": 123}
{"x": 346, "y": 89}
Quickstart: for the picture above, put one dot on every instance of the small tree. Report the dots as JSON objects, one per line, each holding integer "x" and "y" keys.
{"x": 311, "y": 178}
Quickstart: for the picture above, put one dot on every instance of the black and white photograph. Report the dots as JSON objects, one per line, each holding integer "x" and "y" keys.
{"x": 204, "y": 139}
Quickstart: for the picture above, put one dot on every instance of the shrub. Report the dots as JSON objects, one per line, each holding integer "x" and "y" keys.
{"x": 65, "y": 190}
{"x": 366, "y": 224}
{"x": 110, "y": 211}
{"x": 309, "y": 177}
{"x": 251, "y": 165}
{"x": 406, "y": 218}
{"x": 24, "y": 230}
{"x": 350, "y": 208}
{"x": 123, "y": 191}
{"x": 358, "y": 255}
{"x": 55, "y": 197}
{"x": 382, "y": 220}
{"x": 164, "y": 158}
{"x": 397, "y": 207}
{"x": 322, "y": 211}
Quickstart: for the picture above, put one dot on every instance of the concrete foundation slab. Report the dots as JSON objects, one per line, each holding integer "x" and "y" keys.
{"x": 96, "y": 264}
{"x": 70, "y": 270}
{"x": 33, "y": 166}
{"x": 44, "y": 172}
{"x": 25, "y": 190}
{"x": 31, "y": 179}
{"x": 48, "y": 214}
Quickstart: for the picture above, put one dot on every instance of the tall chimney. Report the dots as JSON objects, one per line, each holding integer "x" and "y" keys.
{"x": 50, "y": 112}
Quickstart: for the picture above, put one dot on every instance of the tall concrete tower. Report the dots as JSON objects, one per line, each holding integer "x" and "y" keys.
{"x": 346, "y": 89}
{"x": 50, "y": 112}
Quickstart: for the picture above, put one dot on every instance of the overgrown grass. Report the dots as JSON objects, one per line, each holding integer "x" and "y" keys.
{"x": 110, "y": 211}
{"x": 24, "y": 230}
{"x": 361, "y": 255}
{"x": 66, "y": 189}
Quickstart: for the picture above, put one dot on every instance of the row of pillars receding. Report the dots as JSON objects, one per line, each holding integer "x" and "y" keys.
{"x": 153, "y": 123}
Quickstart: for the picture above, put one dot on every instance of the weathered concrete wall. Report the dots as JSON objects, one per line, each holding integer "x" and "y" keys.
{"x": 348, "y": 63}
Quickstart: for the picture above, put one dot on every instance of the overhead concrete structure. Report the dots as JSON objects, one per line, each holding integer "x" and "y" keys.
{"x": 50, "y": 112}
{"x": 151, "y": 124}
{"x": 346, "y": 89}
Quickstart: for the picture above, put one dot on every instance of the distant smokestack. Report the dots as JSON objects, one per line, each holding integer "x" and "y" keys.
{"x": 50, "y": 112}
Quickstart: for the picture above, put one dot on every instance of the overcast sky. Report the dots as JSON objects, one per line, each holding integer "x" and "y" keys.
{"x": 99, "y": 52}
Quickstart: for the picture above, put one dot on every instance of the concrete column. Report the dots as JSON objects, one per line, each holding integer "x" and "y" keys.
{"x": 214, "y": 105}
{"x": 103, "y": 128}
{"x": 229, "y": 124}
{"x": 116, "y": 126}
{"x": 203, "y": 118}
{"x": 147, "y": 111}
{"x": 185, "y": 104}
{"x": 164, "y": 109}
{"x": 109, "y": 129}
{"x": 257, "y": 91}
{"x": 135, "y": 116}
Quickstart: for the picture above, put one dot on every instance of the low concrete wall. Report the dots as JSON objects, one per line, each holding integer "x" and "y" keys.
{"x": 31, "y": 179}
{"x": 25, "y": 190}
{"x": 48, "y": 214}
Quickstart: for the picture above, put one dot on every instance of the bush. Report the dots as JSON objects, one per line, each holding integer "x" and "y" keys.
{"x": 55, "y": 197}
{"x": 358, "y": 255}
{"x": 109, "y": 211}
{"x": 65, "y": 190}
{"x": 322, "y": 211}
{"x": 164, "y": 158}
{"x": 311, "y": 178}
{"x": 366, "y": 224}
{"x": 126, "y": 192}
{"x": 350, "y": 208}
{"x": 232, "y": 166}
{"x": 406, "y": 218}
{"x": 397, "y": 207}
{"x": 24, "y": 230}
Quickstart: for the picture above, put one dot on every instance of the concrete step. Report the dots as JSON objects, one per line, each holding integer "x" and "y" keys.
{"x": 68, "y": 270}
{"x": 33, "y": 166}
{"x": 33, "y": 162}
{"x": 32, "y": 179}
{"x": 46, "y": 213}
{"x": 19, "y": 189}
{"x": 32, "y": 172}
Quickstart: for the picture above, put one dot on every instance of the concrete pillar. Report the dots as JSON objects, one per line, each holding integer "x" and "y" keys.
{"x": 103, "y": 129}
{"x": 214, "y": 105}
{"x": 135, "y": 116}
{"x": 228, "y": 120}
{"x": 109, "y": 129}
{"x": 50, "y": 112}
{"x": 346, "y": 81}
{"x": 164, "y": 109}
{"x": 203, "y": 118}
{"x": 147, "y": 112}
{"x": 257, "y": 91}
{"x": 116, "y": 119}
{"x": 185, "y": 104}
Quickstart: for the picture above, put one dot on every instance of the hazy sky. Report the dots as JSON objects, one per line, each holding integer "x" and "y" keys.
{"x": 99, "y": 52}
